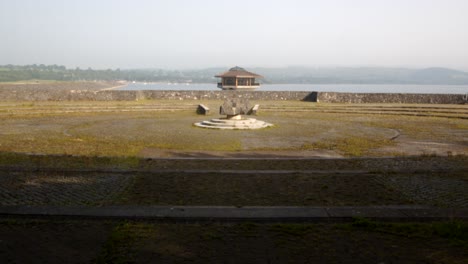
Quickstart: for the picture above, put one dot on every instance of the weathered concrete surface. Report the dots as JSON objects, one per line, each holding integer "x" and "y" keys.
{"x": 233, "y": 124}
{"x": 232, "y": 214}
{"x": 235, "y": 106}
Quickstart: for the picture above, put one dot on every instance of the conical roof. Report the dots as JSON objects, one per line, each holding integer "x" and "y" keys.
{"x": 238, "y": 72}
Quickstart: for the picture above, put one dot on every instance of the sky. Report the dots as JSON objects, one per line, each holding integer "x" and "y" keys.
{"x": 193, "y": 34}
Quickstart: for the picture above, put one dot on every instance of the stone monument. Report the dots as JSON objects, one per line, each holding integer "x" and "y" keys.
{"x": 235, "y": 110}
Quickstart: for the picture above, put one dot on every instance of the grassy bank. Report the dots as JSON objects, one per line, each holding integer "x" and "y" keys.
{"x": 147, "y": 127}
{"x": 361, "y": 241}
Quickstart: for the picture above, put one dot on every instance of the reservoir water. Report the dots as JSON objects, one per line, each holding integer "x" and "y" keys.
{"x": 345, "y": 88}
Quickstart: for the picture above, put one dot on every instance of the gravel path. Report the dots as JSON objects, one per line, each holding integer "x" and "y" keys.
{"x": 29, "y": 188}
{"x": 265, "y": 188}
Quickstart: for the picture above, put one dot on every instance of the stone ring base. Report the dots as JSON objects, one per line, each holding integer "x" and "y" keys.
{"x": 230, "y": 123}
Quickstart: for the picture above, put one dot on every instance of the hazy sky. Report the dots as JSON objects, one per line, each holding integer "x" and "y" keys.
{"x": 211, "y": 33}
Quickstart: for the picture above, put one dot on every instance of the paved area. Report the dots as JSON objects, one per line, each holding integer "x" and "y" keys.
{"x": 438, "y": 190}
{"x": 75, "y": 193}
{"x": 229, "y": 213}
{"x": 209, "y": 190}
{"x": 78, "y": 188}
{"x": 59, "y": 188}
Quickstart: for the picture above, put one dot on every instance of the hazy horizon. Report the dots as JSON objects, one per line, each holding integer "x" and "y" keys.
{"x": 183, "y": 34}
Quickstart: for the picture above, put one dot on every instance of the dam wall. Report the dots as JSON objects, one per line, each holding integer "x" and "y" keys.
{"x": 25, "y": 94}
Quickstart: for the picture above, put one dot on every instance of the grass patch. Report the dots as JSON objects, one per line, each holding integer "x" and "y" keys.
{"x": 351, "y": 146}
{"x": 358, "y": 242}
{"x": 128, "y": 129}
{"x": 67, "y": 161}
{"x": 454, "y": 231}
{"x": 117, "y": 248}
{"x": 293, "y": 229}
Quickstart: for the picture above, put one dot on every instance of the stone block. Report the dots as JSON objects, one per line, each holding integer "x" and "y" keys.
{"x": 254, "y": 110}
{"x": 203, "y": 109}
{"x": 235, "y": 106}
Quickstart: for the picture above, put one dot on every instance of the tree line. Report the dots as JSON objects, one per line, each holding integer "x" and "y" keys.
{"x": 285, "y": 75}
{"x": 11, "y": 73}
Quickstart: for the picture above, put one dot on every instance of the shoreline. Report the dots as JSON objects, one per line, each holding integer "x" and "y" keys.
{"x": 116, "y": 87}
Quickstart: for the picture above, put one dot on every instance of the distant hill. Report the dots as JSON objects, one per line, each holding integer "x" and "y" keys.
{"x": 289, "y": 75}
{"x": 367, "y": 75}
{"x": 438, "y": 76}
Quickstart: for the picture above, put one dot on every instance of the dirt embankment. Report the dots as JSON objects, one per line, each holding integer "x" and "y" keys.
{"x": 52, "y": 91}
{"x": 60, "y": 85}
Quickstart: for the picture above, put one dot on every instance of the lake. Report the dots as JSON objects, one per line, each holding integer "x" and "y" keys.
{"x": 345, "y": 88}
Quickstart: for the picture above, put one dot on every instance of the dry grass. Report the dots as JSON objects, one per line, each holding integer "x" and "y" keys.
{"x": 361, "y": 242}
{"x": 127, "y": 128}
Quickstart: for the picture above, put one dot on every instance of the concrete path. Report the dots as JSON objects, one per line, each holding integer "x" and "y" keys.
{"x": 234, "y": 214}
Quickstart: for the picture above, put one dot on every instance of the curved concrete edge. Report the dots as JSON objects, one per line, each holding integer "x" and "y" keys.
{"x": 233, "y": 124}
{"x": 203, "y": 125}
{"x": 251, "y": 213}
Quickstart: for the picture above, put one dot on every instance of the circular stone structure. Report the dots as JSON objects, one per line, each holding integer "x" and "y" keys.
{"x": 234, "y": 108}
{"x": 233, "y": 123}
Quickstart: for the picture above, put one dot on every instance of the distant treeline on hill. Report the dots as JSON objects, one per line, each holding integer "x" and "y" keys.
{"x": 11, "y": 73}
{"x": 287, "y": 75}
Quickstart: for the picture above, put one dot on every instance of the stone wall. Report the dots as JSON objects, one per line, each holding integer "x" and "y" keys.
{"x": 24, "y": 94}
{"x": 221, "y": 95}
{"x": 391, "y": 98}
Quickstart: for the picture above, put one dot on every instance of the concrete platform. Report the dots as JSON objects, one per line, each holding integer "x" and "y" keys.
{"x": 224, "y": 123}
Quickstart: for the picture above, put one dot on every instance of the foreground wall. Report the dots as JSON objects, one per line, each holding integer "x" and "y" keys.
{"x": 325, "y": 97}
{"x": 391, "y": 98}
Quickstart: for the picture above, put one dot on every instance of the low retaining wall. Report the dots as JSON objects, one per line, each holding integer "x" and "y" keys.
{"x": 325, "y": 97}
{"x": 391, "y": 98}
